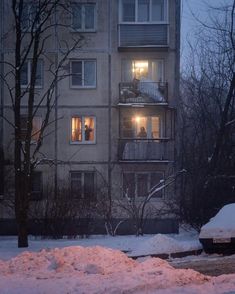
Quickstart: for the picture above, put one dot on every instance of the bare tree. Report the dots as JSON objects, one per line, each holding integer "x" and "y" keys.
{"x": 139, "y": 210}
{"x": 207, "y": 118}
{"x": 34, "y": 26}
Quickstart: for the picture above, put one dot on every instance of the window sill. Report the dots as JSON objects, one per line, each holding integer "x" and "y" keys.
{"x": 82, "y": 143}
{"x": 83, "y": 87}
{"x": 83, "y": 31}
{"x": 28, "y": 86}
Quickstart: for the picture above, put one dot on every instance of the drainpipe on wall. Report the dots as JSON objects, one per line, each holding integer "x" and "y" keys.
{"x": 109, "y": 105}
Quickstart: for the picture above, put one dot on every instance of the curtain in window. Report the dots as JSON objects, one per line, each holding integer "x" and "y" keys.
{"x": 39, "y": 71}
{"x": 89, "y": 129}
{"x": 155, "y": 122}
{"x": 76, "y": 129}
{"x": 127, "y": 70}
{"x": 37, "y": 124}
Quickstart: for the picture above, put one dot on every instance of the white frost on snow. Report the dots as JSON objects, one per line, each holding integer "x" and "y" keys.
{"x": 222, "y": 225}
{"x": 101, "y": 270}
{"x": 160, "y": 244}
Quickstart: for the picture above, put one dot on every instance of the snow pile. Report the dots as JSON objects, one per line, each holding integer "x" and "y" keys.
{"x": 100, "y": 270}
{"x": 160, "y": 244}
{"x": 222, "y": 225}
{"x": 89, "y": 270}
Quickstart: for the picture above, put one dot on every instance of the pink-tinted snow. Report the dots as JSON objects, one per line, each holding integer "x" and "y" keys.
{"x": 100, "y": 270}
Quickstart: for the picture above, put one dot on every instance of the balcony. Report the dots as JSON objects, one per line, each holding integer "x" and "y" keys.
{"x": 143, "y": 92}
{"x": 143, "y": 35}
{"x": 143, "y": 150}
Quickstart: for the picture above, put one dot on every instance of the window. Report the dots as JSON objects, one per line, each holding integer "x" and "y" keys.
{"x": 140, "y": 184}
{"x": 37, "y": 124}
{"x": 29, "y": 15}
{"x": 83, "y": 17}
{"x": 36, "y": 186}
{"x": 83, "y": 129}
{"x": 141, "y": 127}
{"x": 143, "y": 10}
{"x": 26, "y": 73}
{"x": 83, "y": 74}
{"x": 82, "y": 185}
{"x": 143, "y": 70}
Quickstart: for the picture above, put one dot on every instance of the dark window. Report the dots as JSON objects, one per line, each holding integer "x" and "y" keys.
{"x": 82, "y": 185}
{"x": 83, "y": 16}
{"x": 36, "y": 186}
{"x": 128, "y": 10}
{"x": 142, "y": 185}
{"x": 26, "y": 73}
{"x": 83, "y": 73}
{"x": 155, "y": 180}
{"x": 129, "y": 185}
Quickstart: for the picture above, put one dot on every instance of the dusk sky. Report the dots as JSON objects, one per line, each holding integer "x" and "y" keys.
{"x": 188, "y": 22}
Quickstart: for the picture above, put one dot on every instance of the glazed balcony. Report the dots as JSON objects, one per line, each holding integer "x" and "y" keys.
{"x": 142, "y": 35}
{"x": 143, "y": 92}
{"x": 143, "y": 150}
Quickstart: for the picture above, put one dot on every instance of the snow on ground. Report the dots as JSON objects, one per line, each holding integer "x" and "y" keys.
{"x": 222, "y": 225}
{"x": 143, "y": 245}
{"x": 159, "y": 244}
{"x": 100, "y": 270}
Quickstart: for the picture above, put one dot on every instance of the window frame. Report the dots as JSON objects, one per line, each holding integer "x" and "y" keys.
{"x": 83, "y": 172}
{"x": 166, "y": 14}
{"x": 29, "y": 62}
{"x": 83, "y": 29}
{"x": 159, "y": 60}
{"x": 149, "y": 173}
{"x": 83, "y": 74}
{"x": 148, "y": 129}
{"x": 83, "y": 141}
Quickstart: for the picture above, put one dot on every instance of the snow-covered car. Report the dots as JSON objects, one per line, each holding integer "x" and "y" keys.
{"x": 218, "y": 235}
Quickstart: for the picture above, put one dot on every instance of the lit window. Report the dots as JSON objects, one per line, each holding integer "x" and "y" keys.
{"x": 26, "y": 74}
{"x": 82, "y": 185}
{"x": 146, "y": 70}
{"x": 143, "y": 10}
{"x": 36, "y": 127}
{"x": 139, "y": 184}
{"x": 83, "y": 16}
{"x": 141, "y": 127}
{"x": 83, "y": 129}
{"x": 83, "y": 74}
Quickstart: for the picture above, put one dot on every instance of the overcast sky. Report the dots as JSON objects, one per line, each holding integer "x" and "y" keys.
{"x": 201, "y": 8}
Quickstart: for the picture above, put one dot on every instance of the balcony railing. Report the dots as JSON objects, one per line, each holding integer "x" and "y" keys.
{"x": 143, "y": 35}
{"x": 143, "y": 92}
{"x": 145, "y": 150}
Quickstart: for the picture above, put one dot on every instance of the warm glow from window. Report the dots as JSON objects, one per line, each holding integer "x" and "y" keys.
{"x": 140, "y": 69}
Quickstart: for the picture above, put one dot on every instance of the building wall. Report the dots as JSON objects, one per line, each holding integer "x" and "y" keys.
{"x": 100, "y": 102}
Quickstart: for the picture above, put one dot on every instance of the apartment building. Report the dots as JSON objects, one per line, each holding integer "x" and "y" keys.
{"x": 114, "y": 112}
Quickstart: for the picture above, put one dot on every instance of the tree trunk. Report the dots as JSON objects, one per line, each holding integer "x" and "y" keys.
{"x": 22, "y": 231}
